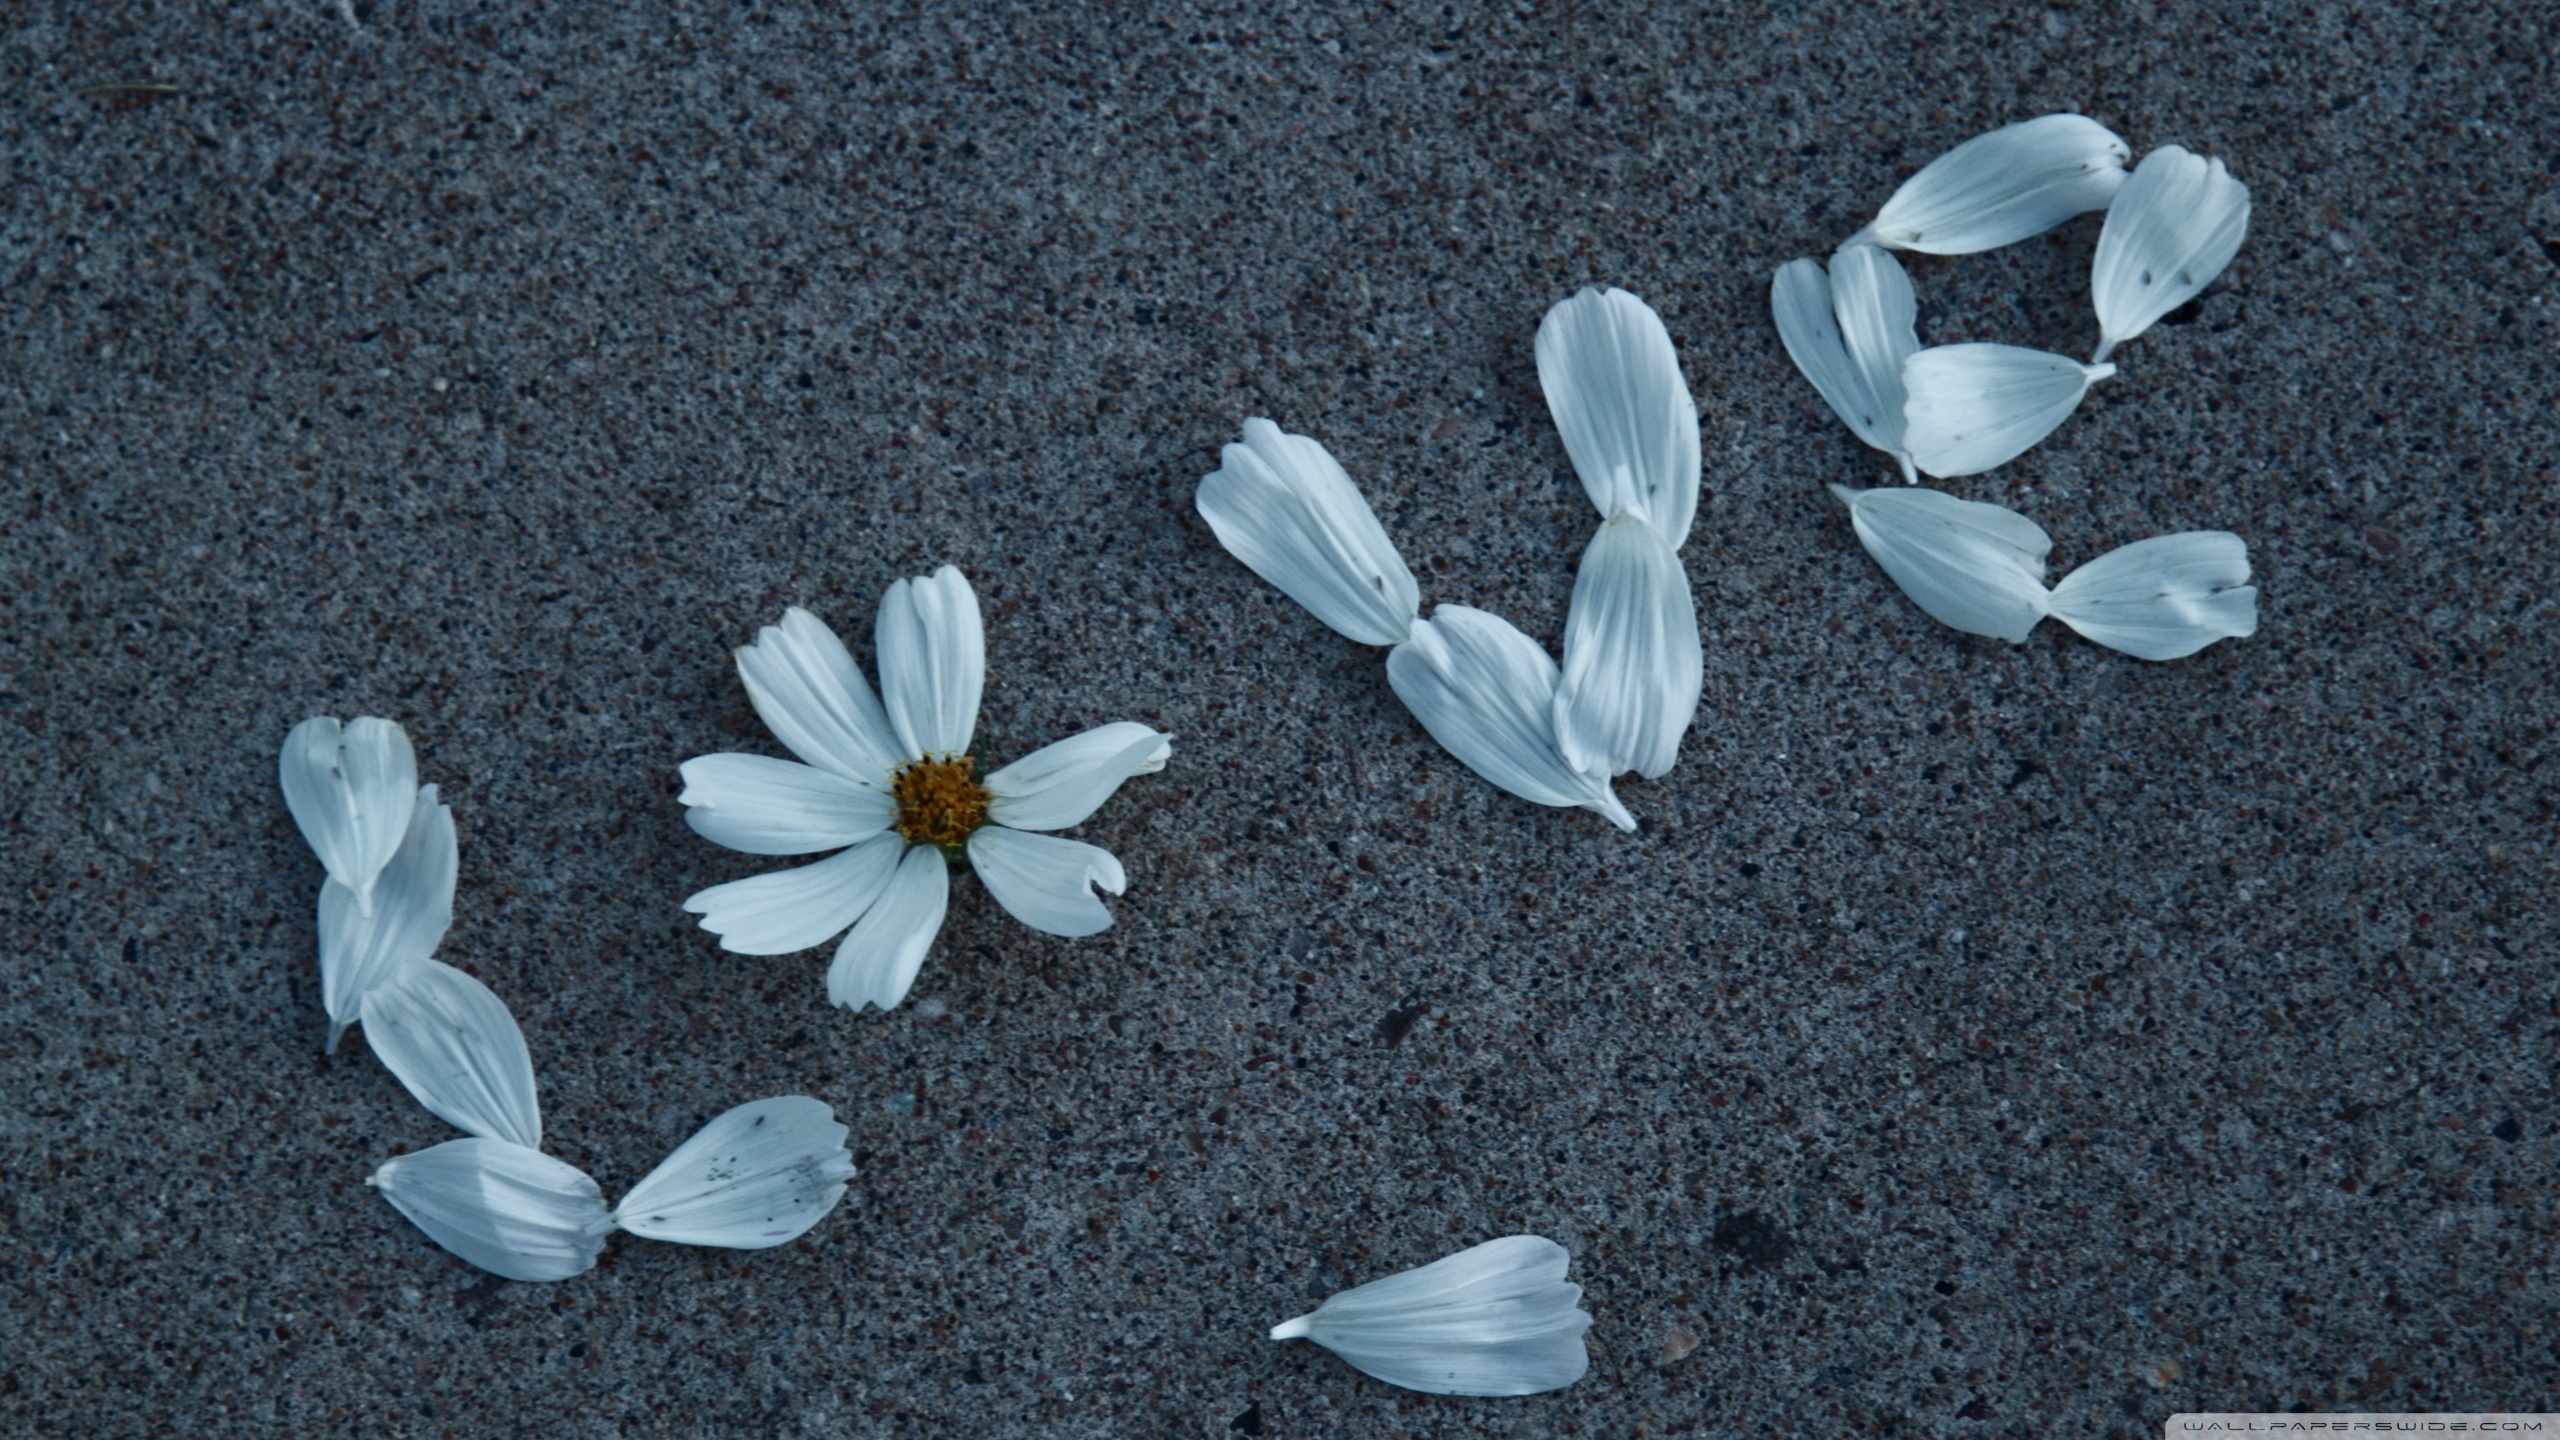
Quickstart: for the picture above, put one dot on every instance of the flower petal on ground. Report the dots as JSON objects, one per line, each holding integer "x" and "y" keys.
{"x": 2178, "y": 222}
{"x": 1046, "y": 881}
{"x": 1995, "y": 188}
{"x": 1613, "y": 383}
{"x": 351, "y": 790}
{"x": 787, "y": 910}
{"x": 933, "y": 662}
{"x": 412, "y": 908}
{"x": 805, "y": 685}
{"x": 1977, "y": 567}
{"x": 1279, "y": 503}
{"x": 879, "y": 959}
{"x": 1497, "y": 1319}
{"x": 1059, "y": 785}
{"x": 765, "y": 806}
{"x": 755, "y": 1177}
{"x": 509, "y": 1210}
{"x": 1849, "y": 331}
{"x": 2164, "y": 597}
{"x": 1973, "y": 407}
{"x": 458, "y": 1049}
{"x": 1487, "y": 693}
{"x": 1633, "y": 668}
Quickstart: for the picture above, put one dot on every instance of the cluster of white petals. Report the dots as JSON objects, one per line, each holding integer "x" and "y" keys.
{"x": 1633, "y": 668}
{"x": 1497, "y": 1319}
{"x": 890, "y": 776}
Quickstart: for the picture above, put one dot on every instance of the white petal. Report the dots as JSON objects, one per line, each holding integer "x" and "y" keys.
{"x": 1280, "y": 503}
{"x": 1613, "y": 384}
{"x": 755, "y": 1177}
{"x": 1977, "y": 567}
{"x": 1045, "y": 881}
{"x": 1498, "y": 1319}
{"x": 933, "y": 662}
{"x": 1487, "y": 693}
{"x": 412, "y": 908}
{"x": 765, "y": 806}
{"x": 2178, "y": 222}
{"x": 1972, "y": 407}
{"x": 1633, "y": 669}
{"x": 1059, "y": 785}
{"x": 787, "y": 910}
{"x": 804, "y": 684}
{"x": 509, "y": 1210}
{"x": 2016, "y": 181}
{"x": 457, "y": 1048}
{"x": 1849, "y": 332}
{"x": 880, "y": 958}
{"x": 351, "y": 791}
{"x": 2164, "y": 597}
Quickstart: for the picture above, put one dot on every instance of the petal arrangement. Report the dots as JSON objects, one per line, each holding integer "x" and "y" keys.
{"x": 2173, "y": 223}
{"x": 888, "y": 782}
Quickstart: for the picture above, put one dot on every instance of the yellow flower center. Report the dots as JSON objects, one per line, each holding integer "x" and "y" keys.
{"x": 939, "y": 801}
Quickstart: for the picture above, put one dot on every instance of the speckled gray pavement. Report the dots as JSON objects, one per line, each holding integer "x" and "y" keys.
{"x": 1976, "y": 1040}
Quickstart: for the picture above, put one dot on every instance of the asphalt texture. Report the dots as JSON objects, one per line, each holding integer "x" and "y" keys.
{"x": 1975, "y": 1036}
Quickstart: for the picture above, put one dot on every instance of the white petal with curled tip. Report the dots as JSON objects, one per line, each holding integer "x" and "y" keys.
{"x": 755, "y": 1177}
{"x": 2164, "y": 597}
{"x": 509, "y": 1210}
{"x": 1819, "y": 315}
{"x": 412, "y": 908}
{"x": 933, "y": 662}
{"x": 805, "y": 685}
{"x": 1973, "y": 407}
{"x": 879, "y": 958}
{"x": 1613, "y": 383}
{"x": 1979, "y": 568}
{"x": 787, "y": 910}
{"x": 1046, "y": 881}
{"x": 2177, "y": 223}
{"x": 1633, "y": 668}
{"x": 1498, "y": 1319}
{"x": 2004, "y": 186}
{"x": 351, "y": 790}
{"x": 765, "y": 806}
{"x": 1059, "y": 785}
{"x": 458, "y": 1049}
{"x": 1279, "y": 503}
{"x": 1487, "y": 693}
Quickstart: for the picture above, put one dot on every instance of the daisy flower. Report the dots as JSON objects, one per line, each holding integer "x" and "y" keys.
{"x": 889, "y": 783}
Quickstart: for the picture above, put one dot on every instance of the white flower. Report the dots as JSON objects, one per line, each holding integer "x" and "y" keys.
{"x": 1849, "y": 330}
{"x": 2164, "y": 597}
{"x": 1979, "y": 568}
{"x": 1973, "y": 407}
{"x": 1486, "y": 692}
{"x": 1613, "y": 384}
{"x": 350, "y": 790}
{"x": 362, "y": 949}
{"x": 2174, "y": 227}
{"x": 896, "y": 784}
{"x": 2004, "y": 186}
{"x": 1498, "y": 1319}
{"x": 454, "y": 1044}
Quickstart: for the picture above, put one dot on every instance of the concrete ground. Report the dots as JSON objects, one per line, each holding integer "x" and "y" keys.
{"x": 1975, "y": 1036}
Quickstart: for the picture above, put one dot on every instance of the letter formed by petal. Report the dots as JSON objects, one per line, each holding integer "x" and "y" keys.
{"x": 806, "y": 687}
{"x": 933, "y": 662}
{"x": 1633, "y": 667}
{"x": 757, "y": 1176}
{"x": 2003, "y": 186}
{"x": 1977, "y": 567}
{"x": 458, "y": 1049}
{"x": 1613, "y": 383}
{"x": 351, "y": 790}
{"x": 1498, "y": 1319}
{"x": 1487, "y": 693}
{"x": 509, "y": 1210}
{"x": 1849, "y": 332}
{"x": 1280, "y": 503}
{"x": 2178, "y": 222}
{"x": 1062, "y": 784}
{"x": 1046, "y": 881}
{"x": 1973, "y": 407}
{"x": 2162, "y": 598}
{"x": 412, "y": 908}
